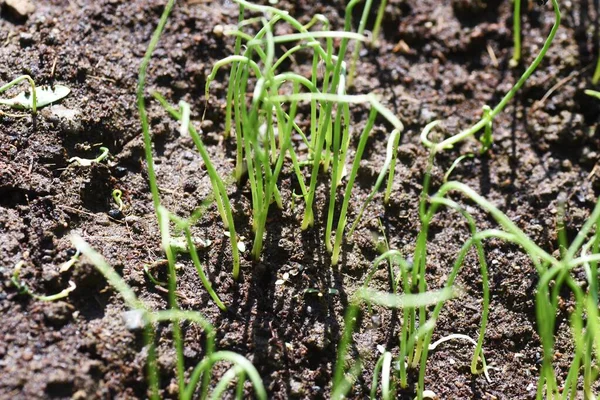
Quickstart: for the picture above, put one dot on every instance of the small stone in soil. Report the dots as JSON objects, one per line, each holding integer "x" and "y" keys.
{"x": 27, "y": 355}
{"x": 103, "y": 220}
{"x": 57, "y": 314}
{"x": 25, "y": 39}
{"x": 19, "y": 9}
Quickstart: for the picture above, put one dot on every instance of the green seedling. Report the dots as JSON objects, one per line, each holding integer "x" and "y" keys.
{"x": 219, "y": 191}
{"x": 555, "y": 273}
{"x": 68, "y": 264}
{"x": 163, "y": 216}
{"x": 486, "y": 139}
{"x": 200, "y": 376}
{"x": 361, "y": 29}
{"x": 22, "y": 288}
{"x": 456, "y": 336}
{"x": 455, "y": 164}
{"x": 490, "y": 115}
{"x": 86, "y": 162}
{"x": 593, "y": 93}
{"x": 264, "y": 128}
{"x": 344, "y": 376}
{"x": 44, "y": 95}
{"x": 151, "y": 277}
{"x": 514, "y": 61}
{"x": 377, "y": 25}
{"x": 117, "y": 195}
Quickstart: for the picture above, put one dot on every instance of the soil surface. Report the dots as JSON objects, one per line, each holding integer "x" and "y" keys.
{"x": 436, "y": 60}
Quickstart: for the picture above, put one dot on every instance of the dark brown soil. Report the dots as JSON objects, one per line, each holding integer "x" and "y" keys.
{"x": 434, "y": 61}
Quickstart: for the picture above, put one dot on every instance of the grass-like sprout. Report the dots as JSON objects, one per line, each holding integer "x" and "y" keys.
{"x": 201, "y": 374}
{"x": 554, "y": 274}
{"x": 86, "y": 162}
{"x": 490, "y": 115}
{"x": 593, "y": 93}
{"x": 164, "y": 215}
{"x": 117, "y": 196}
{"x": 22, "y": 287}
{"x": 35, "y": 98}
{"x": 596, "y": 77}
{"x": 514, "y": 61}
{"x": 361, "y": 29}
{"x": 377, "y": 24}
{"x": 219, "y": 190}
{"x": 344, "y": 376}
{"x": 264, "y": 127}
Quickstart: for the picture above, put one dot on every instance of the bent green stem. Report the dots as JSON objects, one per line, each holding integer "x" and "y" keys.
{"x": 451, "y": 141}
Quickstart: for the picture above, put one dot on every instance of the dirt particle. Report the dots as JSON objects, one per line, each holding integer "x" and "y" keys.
{"x": 19, "y": 9}
{"x": 60, "y": 383}
{"x": 318, "y": 339}
{"x": 25, "y": 39}
{"x": 103, "y": 220}
{"x": 190, "y": 185}
{"x": 79, "y": 395}
{"x": 57, "y": 313}
{"x": 27, "y": 355}
{"x": 297, "y": 388}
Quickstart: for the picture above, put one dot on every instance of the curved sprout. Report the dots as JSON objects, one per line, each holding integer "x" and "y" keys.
{"x": 240, "y": 362}
{"x": 489, "y": 116}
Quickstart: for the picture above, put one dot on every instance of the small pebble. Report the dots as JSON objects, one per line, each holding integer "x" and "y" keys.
{"x": 103, "y": 220}
{"x": 27, "y": 355}
{"x": 218, "y": 30}
{"x": 376, "y": 320}
{"x": 25, "y": 39}
{"x": 19, "y": 9}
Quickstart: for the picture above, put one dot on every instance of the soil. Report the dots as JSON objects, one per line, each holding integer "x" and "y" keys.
{"x": 436, "y": 59}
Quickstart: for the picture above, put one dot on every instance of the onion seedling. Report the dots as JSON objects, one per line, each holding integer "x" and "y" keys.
{"x": 554, "y": 274}
{"x": 36, "y": 97}
{"x": 361, "y": 30}
{"x": 344, "y": 377}
{"x": 162, "y": 214}
{"x": 68, "y": 264}
{"x": 219, "y": 191}
{"x": 86, "y": 162}
{"x": 489, "y": 116}
{"x": 264, "y": 127}
{"x": 514, "y": 61}
{"x": 201, "y": 374}
{"x": 117, "y": 195}
{"x": 22, "y": 288}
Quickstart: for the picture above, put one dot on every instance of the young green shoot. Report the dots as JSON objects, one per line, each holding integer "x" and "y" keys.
{"x": 200, "y": 375}
{"x": 117, "y": 195}
{"x": 514, "y": 61}
{"x": 489, "y": 116}
{"x": 593, "y": 93}
{"x": 219, "y": 191}
{"x": 68, "y": 264}
{"x": 35, "y": 98}
{"x": 22, "y": 287}
{"x": 264, "y": 125}
{"x": 86, "y": 162}
{"x": 554, "y": 272}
